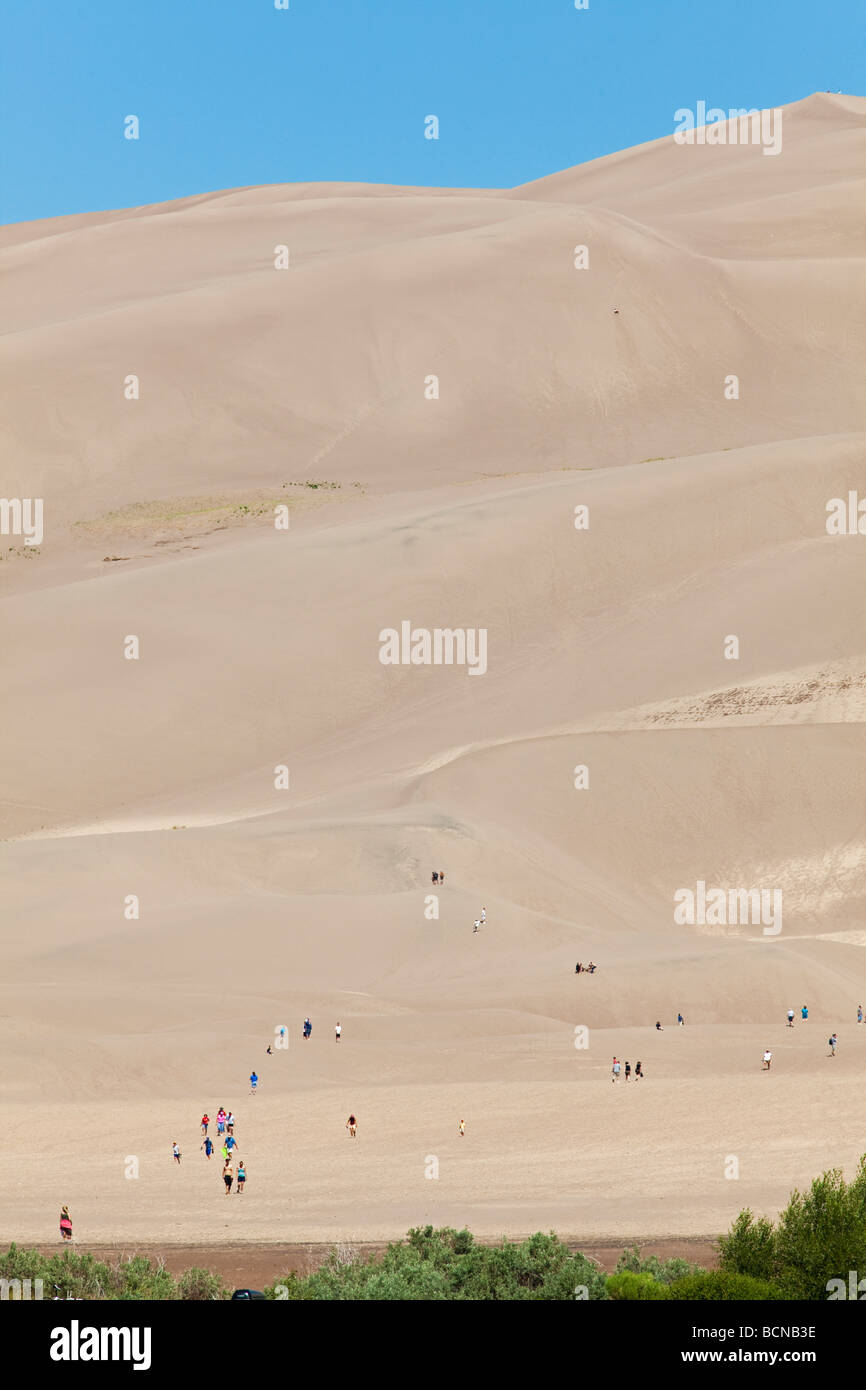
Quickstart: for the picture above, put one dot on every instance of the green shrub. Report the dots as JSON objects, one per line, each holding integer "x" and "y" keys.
{"x": 719, "y": 1286}
{"x": 629, "y": 1287}
{"x": 663, "y": 1271}
{"x": 820, "y": 1236}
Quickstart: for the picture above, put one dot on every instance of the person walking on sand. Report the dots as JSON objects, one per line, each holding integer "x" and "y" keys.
{"x": 207, "y": 1146}
{"x": 231, "y": 1142}
{"x": 483, "y": 918}
{"x": 462, "y": 1128}
{"x": 628, "y": 1071}
{"x": 804, "y": 1013}
{"x": 228, "y": 1176}
{"x": 338, "y": 1031}
{"x": 224, "y": 1154}
{"x": 205, "y": 1121}
{"x": 434, "y": 877}
{"x": 352, "y": 1125}
{"x": 441, "y": 875}
{"x": 477, "y": 925}
{"x": 790, "y": 1018}
{"x": 832, "y": 1044}
{"x": 65, "y": 1224}
{"x": 659, "y": 1028}
{"x": 308, "y": 1028}
{"x": 615, "y": 1070}
{"x": 637, "y": 1071}
{"x": 176, "y": 1152}
{"x": 859, "y": 1013}
{"x": 768, "y": 1057}
{"x": 221, "y": 1121}
{"x": 242, "y": 1176}
{"x": 254, "y": 1081}
{"x": 230, "y": 1123}
{"x": 681, "y": 1023}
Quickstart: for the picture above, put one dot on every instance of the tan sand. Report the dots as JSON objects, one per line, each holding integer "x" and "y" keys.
{"x": 260, "y": 647}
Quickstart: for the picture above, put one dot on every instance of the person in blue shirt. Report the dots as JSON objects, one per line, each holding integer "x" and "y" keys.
{"x": 254, "y": 1081}
{"x": 804, "y": 1013}
{"x": 208, "y": 1147}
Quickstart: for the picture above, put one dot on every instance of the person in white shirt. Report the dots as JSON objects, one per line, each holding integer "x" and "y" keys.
{"x": 767, "y": 1059}
{"x": 337, "y": 1031}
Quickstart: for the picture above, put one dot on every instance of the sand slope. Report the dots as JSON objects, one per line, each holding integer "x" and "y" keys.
{"x": 606, "y": 649}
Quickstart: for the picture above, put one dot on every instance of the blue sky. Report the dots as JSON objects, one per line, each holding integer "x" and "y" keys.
{"x": 233, "y": 92}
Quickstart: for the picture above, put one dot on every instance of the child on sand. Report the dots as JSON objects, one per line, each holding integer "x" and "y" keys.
{"x": 352, "y": 1125}
{"x": 65, "y": 1224}
{"x": 242, "y": 1175}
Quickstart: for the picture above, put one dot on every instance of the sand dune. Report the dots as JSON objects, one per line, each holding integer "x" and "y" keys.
{"x": 605, "y": 650}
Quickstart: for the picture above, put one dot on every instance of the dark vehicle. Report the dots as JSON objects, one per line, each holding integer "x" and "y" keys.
{"x": 246, "y": 1293}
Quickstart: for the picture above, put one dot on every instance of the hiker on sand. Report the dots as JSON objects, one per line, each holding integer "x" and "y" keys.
{"x": 434, "y": 877}
{"x": 462, "y": 1128}
{"x": 577, "y": 968}
{"x": 483, "y": 917}
{"x": 768, "y": 1057}
{"x": 637, "y": 1071}
{"x": 242, "y": 1176}
{"x": 308, "y": 1028}
{"x": 228, "y": 1176}
{"x": 338, "y": 1031}
{"x": 832, "y": 1041}
{"x": 681, "y": 1023}
{"x": 804, "y": 1013}
{"x": 615, "y": 1070}
{"x": 441, "y": 875}
{"x": 65, "y": 1224}
{"x": 176, "y": 1152}
{"x": 208, "y": 1147}
{"x": 221, "y": 1121}
{"x": 230, "y": 1123}
{"x": 628, "y": 1071}
{"x": 859, "y": 1013}
{"x": 205, "y": 1121}
{"x": 352, "y": 1125}
{"x": 477, "y": 925}
{"x": 268, "y": 1050}
{"x": 254, "y": 1081}
{"x": 790, "y": 1018}
{"x": 659, "y": 1028}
